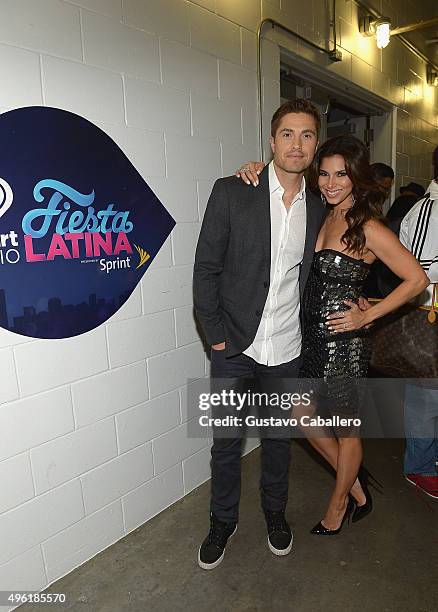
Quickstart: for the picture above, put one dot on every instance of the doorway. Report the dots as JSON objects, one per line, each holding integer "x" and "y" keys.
{"x": 345, "y": 108}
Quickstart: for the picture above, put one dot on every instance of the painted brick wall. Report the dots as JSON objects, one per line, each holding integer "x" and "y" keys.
{"x": 394, "y": 73}
{"x": 93, "y": 429}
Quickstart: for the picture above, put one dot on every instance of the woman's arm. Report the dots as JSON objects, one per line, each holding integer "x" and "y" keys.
{"x": 249, "y": 172}
{"x": 385, "y": 245}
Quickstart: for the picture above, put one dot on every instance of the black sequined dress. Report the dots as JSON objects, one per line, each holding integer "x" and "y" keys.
{"x": 339, "y": 361}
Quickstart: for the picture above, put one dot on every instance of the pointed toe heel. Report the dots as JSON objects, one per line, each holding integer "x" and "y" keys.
{"x": 320, "y": 529}
{"x": 366, "y": 480}
{"x": 361, "y": 512}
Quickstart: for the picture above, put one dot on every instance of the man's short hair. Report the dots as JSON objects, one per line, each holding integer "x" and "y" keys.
{"x": 381, "y": 171}
{"x": 435, "y": 162}
{"x": 298, "y": 105}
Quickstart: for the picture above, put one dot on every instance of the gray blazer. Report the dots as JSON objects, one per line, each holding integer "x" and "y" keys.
{"x": 233, "y": 260}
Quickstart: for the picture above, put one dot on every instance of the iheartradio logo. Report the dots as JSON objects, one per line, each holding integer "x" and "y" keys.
{"x": 6, "y": 197}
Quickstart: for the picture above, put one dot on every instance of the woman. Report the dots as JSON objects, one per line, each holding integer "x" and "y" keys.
{"x": 335, "y": 343}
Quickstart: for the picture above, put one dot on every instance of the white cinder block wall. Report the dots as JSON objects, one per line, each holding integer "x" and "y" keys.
{"x": 93, "y": 428}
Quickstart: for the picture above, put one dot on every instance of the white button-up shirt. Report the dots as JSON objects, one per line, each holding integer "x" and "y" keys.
{"x": 278, "y": 338}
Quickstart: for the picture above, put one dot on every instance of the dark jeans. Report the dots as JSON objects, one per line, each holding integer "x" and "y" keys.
{"x": 421, "y": 426}
{"x": 226, "y": 452}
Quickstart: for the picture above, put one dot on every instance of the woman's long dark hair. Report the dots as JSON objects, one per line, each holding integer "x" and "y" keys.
{"x": 368, "y": 196}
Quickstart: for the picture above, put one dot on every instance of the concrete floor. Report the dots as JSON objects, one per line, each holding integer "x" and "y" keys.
{"x": 387, "y": 562}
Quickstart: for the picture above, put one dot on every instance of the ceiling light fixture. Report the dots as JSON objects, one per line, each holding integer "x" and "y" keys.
{"x": 380, "y": 28}
{"x": 432, "y": 76}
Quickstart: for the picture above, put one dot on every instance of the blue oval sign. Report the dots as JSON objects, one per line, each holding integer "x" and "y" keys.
{"x": 79, "y": 226}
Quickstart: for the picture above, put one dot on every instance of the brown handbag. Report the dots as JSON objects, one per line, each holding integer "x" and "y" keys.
{"x": 405, "y": 343}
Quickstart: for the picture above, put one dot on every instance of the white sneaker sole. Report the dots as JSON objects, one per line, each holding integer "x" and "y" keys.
{"x": 420, "y": 488}
{"x": 283, "y": 551}
{"x": 210, "y": 566}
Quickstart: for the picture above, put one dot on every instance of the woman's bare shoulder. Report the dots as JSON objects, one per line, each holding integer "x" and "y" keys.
{"x": 376, "y": 227}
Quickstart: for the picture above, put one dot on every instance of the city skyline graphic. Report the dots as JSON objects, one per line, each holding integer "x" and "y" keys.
{"x": 82, "y": 220}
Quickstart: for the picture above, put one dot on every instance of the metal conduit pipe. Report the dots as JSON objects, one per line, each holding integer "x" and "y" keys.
{"x": 425, "y": 23}
{"x": 398, "y": 32}
{"x": 333, "y": 54}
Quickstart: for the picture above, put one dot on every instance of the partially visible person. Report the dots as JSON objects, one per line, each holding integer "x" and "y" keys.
{"x": 419, "y": 233}
{"x": 409, "y": 194}
{"x": 381, "y": 280}
{"x": 384, "y": 176}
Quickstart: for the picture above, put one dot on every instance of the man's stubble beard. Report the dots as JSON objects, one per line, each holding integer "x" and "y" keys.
{"x": 296, "y": 170}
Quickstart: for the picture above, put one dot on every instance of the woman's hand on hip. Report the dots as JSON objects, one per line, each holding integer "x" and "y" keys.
{"x": 348, "y": 320}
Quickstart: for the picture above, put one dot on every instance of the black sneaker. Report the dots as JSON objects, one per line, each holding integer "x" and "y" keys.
{"x": 279, "y": 534}
{"x": 212, "y": 549}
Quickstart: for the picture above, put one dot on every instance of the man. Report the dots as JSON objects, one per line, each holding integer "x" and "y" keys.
{"x": 409, "y": 194}
{"x": 381, "y": 280}
{"x": 252, "y": 262}
{"x": 384, "y": 176}
{"x": 419, "y": 234}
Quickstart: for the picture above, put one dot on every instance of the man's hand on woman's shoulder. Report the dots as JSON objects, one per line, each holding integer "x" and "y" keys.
{"x": 249, "y": 172}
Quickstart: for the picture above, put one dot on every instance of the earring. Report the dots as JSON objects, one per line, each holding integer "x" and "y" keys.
{"x": 323, "y": 200}
{"x": 353, "y": 200}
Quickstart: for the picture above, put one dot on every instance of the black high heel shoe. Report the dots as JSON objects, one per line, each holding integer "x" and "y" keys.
{"x": 366, "y": 479}
{"x": 319, "y": 529}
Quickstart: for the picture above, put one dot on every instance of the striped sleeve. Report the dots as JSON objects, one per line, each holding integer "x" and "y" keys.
{"x": 419, "y": 233}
